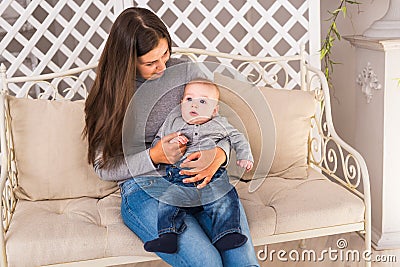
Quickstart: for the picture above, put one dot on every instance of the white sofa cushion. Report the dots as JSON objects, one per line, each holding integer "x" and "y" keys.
{"x": 46, "y": 232}
{"x": 291, "y": 111}
{"x": 54, "y": 231}
{"x": 247, "y": 110}
{"x": 50, "y": 153}
{"x": 261, "y": 218}
{"x": 315, "y": 202}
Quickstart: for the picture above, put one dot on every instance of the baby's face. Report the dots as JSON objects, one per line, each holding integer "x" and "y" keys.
{"x": 199, "y": 103}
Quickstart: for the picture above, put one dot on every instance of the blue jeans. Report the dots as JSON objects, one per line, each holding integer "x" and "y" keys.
{"x": 139, "y": 212}
{"x": 224, "y": 211}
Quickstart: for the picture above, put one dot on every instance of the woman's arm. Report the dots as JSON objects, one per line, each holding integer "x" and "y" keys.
{"x": 225, "y": 145}
{"x": 117, "y": 168}
{"x": 122, "y": 168}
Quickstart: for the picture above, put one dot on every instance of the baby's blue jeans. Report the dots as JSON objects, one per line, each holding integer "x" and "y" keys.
{"x": 223, "y": 211}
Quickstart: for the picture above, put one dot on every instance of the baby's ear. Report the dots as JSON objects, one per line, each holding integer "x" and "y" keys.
{"x": 216, "y": 109}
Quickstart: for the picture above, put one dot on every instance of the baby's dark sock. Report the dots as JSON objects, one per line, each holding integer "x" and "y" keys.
{"x": 167, "y": 243}
{"x": 229, "y": 241}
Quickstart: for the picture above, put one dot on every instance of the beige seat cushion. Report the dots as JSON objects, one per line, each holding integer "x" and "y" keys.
{"x": 261, "y": 218}
{"x": 283, "y": 127}
{"x": 55, "y": 231}
{"x": 49, "y": 231}
{"x": 51, "y": 153}
{"x": 315, "y": 202}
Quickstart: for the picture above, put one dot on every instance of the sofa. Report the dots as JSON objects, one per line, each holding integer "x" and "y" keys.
{"x": 307, "y": 182}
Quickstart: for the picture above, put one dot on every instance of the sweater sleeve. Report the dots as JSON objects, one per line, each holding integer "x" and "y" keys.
{"x": 140, "y": 164}
{"x": 238, "y": 141}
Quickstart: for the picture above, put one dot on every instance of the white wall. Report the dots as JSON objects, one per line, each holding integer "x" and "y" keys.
{"x": 344, "y": 76}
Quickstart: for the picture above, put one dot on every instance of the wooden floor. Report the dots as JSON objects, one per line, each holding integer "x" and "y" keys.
{"x": 353, "y": 245}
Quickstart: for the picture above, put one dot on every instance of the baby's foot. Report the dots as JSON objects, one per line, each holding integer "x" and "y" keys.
{"x": 229, "y": 241}
{"x": 166, "y": 243}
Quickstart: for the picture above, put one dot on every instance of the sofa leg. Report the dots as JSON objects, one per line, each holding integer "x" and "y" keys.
{"x": 368, "y": 246}
{"x": 302, "y": 244}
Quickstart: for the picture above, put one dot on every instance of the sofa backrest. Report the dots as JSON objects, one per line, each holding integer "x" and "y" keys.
{"x": 278, "y": 134}
{"x": 51, "y": 152}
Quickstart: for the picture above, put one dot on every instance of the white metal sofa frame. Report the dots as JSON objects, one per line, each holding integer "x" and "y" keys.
{"x": 320, "y": 156}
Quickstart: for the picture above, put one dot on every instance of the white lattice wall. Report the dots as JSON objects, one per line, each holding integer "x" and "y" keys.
{"x": 256, "y": 27}
{"x": 46, "y": 36}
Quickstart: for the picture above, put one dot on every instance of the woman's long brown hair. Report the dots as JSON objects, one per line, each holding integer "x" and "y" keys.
{"x": 134, "y": 33}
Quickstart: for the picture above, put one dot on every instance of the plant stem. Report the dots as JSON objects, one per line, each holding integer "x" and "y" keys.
{"x": 330, "y": 38}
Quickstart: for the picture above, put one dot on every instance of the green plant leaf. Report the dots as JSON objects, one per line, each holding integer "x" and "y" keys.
{"x": 323, "y": 53}
{"x": 344, "y": 11}
{"x": 336, "y": 11}
{"x": 335, "y": 30}
{"x": 332, "y": 35}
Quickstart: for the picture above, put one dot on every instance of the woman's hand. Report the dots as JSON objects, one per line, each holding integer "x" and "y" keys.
{"x": 167, "y": 152}
{"x": 203, "y": 165}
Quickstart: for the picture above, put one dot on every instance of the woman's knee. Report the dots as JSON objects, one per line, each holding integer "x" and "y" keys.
{"x": 195, "y": 248}
{"x": 141, "y": 217}
{"x": 197, "y": 256}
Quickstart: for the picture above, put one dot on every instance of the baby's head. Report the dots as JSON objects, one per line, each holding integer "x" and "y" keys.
{"x": 200, "y": 101}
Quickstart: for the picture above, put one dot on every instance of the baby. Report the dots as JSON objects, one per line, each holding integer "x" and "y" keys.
{"x": 201, "y": 128}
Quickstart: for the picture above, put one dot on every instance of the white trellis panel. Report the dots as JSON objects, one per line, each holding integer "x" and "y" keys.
{"x": 48, "y": 36}
{"x": 256, "y": 27}
{"x": 43, "y": 36}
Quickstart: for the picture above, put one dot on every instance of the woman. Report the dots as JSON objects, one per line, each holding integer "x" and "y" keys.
{"x": 138, "y": 51}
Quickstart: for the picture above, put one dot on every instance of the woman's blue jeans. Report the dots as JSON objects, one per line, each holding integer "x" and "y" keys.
{"x": 139, "y": 212}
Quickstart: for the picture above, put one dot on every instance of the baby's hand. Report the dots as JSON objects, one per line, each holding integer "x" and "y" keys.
{"x": 244, "y": 163}
{"x": 180, "y": 139}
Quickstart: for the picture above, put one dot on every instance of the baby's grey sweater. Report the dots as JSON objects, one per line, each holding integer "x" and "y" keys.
{"x": 205, "y": 136}
{"x": 154, "y": 100}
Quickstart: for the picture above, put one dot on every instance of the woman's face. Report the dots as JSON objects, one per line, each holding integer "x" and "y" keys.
{"x": 152, "y": 65}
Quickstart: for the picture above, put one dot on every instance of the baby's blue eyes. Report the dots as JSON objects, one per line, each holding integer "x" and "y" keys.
{"x": 202, "y": 101}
